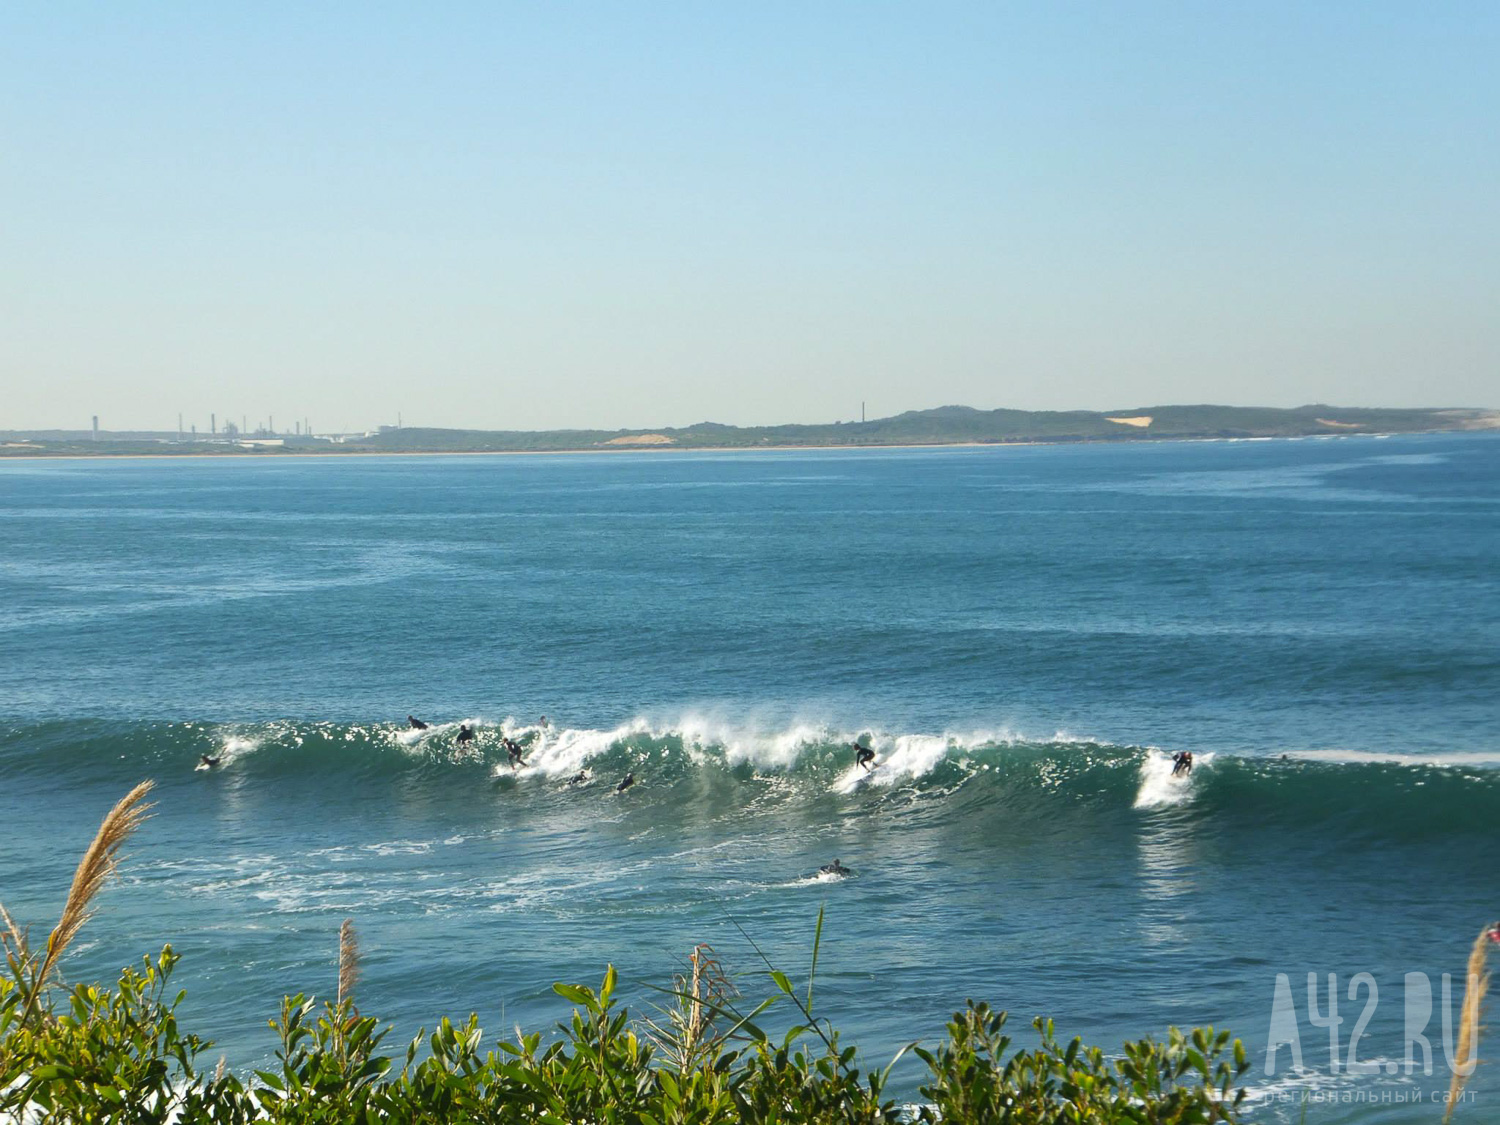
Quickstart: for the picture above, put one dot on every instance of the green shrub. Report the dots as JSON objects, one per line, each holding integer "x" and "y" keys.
{"x": 119, "y": 1056}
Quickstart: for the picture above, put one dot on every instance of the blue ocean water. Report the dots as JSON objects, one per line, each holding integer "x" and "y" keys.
{"x": 1024, "y": 634}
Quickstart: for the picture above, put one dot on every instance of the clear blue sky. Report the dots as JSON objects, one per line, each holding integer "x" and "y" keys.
{"x": 544, "y": 215}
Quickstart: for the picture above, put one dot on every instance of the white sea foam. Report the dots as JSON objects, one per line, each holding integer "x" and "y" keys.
{"x": 411, "y": 738}
{"x": 762, "y": 749}
{"x": 563, "y": 752}
{"x": 907, "y": 757}
{"x": 235, "y": 746}
{"x": 1359, "y": 757}
{"x": 816, "y": 879}
{"x": 1159, "y": 789}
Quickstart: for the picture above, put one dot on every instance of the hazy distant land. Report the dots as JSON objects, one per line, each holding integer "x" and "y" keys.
{"x": 945, "y": 425}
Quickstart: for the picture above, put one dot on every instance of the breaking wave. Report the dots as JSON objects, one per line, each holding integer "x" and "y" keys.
{"x": 971, "y": 774}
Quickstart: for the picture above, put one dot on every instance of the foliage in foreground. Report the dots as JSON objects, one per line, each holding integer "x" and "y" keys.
{"x": 119, "y": 1056}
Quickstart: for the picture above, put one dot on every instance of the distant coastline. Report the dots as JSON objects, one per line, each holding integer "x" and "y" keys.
{"x": 944, "y": 426}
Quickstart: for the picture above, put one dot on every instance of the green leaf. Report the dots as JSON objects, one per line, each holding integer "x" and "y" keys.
{"x": 574, "y": 993}
{"x": 813, "y": 971}
{"x": 781, "y": 982}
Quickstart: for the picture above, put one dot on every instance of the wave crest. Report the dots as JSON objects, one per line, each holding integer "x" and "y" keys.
{"x": 988, "y": 776}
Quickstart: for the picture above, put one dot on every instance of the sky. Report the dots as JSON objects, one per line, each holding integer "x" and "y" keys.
{"x": 644, "y": 214}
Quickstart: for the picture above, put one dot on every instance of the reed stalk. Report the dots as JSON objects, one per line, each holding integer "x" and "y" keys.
{"x": 1469, "y": 1027}
{"x": 94, "y": 870}
{"x": 348, "y": 963}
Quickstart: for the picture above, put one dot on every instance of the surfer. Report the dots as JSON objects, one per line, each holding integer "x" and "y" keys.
{"x": 625, "y": 783}
{"x": 579, "y": 778}
{"x": 465, "y": 734}
{"x": 542, "y": 722}
{"x": 834, "y": 868}
{"x": 208, "y": 763}
{"x": 863, "y": 756}
{"x": 513, "y": 750}
{"x": 1182, "y": 762}
{"x": 415, "y": 723}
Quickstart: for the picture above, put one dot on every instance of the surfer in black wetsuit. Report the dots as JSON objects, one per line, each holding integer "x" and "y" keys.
{"x": 209, "y": 763}
{"x": 415, "y": 723}
{"x": 513, "y": 750}
{"x": 1182, "y": 763}
{"x": 863, "y": 756}
{"x": 579, "y": 778}
{"x": 834, "y": 868}
{"x": 465, "y": 734}
{"x": 542, "y": 722}
{"x": 625, "y": 783}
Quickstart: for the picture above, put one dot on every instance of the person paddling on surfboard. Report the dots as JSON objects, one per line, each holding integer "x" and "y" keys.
{"x": 1182, "y": 763}
{"x": 465, "y": 734}
{"x": 208, "y": 763}
{"x": 415, "y": 723}
{"x": 834, "y": 868}
{"x": 625, "y": 783}
{"x": 863, "y": 756}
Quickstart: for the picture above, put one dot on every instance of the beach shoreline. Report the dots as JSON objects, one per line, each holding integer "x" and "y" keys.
{"x": 628, "y": 450}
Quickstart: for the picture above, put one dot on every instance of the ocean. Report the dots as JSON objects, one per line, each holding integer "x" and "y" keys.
{"x": 1025, "y": 636}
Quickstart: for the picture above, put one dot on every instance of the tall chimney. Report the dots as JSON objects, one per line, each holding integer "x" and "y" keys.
{"x": 213, "y": 423}
{"x": 96, "y": 427}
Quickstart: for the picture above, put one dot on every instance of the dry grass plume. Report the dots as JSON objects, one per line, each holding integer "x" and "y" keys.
{"x": 348, "y": 962}
{"x": 1468, "y": 1025}
{"x": 94, "y": 870}
{"x": 701, "y": 995}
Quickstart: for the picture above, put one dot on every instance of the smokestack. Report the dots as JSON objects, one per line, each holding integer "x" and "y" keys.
{"x": 213, "y": 424}
{"x": 299, "y": 429}
{"x": 96, "y": 427}
{"x": 861, "y": 410}
{"x": 179, "y": 425}
{"x": 195, "y": 431}
{"x": 271, "y": 424}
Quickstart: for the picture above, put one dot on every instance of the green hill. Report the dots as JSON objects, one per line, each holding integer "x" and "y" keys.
{"x": 948, "y": 425}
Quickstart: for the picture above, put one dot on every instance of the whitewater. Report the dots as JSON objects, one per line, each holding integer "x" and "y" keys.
{"x": 1025, "y": 637}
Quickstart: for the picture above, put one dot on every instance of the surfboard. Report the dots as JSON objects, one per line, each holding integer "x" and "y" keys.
{"x": 855, "y": 777}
